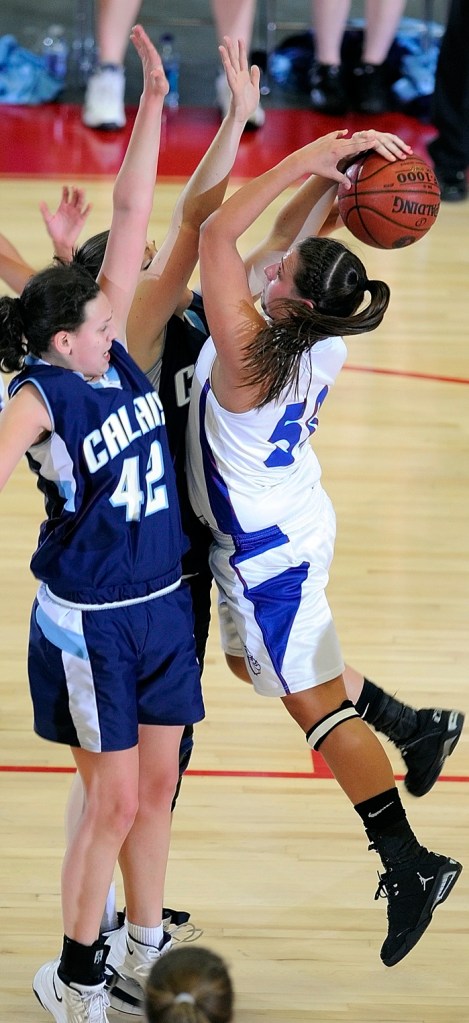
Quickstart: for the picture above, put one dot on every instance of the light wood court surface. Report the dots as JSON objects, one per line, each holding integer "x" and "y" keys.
{"x": 270, "y": 860}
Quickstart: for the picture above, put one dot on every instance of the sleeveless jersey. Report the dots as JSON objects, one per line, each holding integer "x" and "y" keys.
{"x": 113, "y": 531}
{"x": 251, "y": 471}
{"x": 184, "y": 339}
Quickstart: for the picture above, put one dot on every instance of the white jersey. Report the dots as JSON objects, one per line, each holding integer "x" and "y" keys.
{"x": 248, "y": 471}
{"x": 255, "y": 479}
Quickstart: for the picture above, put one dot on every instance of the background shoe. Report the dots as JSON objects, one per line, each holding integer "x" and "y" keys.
{"x": 69, "y": 1003}
{"x": 127, "y": 995}
{"x": 103, "y": 107}
{"x": 370, "y": 88}
{"x": 453, "y": 188}
{"x": 424, "y": 755}
{"x": 223, "y": 100}
{"x": 130, "y": 958}
{"x": 453, "y": 184}
{"x": 328, "y": 94}
{"x": 414, "y": 890}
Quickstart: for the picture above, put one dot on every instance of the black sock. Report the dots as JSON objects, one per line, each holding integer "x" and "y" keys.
{"x": 387, "y": 715}
{"x": 387, "y": 828}
{"x": 82, "y": 964}
{"x": 369, "y": 700}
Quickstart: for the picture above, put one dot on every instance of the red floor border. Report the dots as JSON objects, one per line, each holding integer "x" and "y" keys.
{"x": 320, "y": 772}
{"x": 51, "y": 141}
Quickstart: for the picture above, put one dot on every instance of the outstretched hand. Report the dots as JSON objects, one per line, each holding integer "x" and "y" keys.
{"x": 65, "y": 225}
{"x": 154, "y": 78}
{"x": 242, "y": 80}
{"x": 390, "y": 146}
{"x": 330, "y": 155}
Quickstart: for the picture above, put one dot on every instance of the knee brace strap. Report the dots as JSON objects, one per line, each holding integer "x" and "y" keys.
{"x": 322, "y": 728}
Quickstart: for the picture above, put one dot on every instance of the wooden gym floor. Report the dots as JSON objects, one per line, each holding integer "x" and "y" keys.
{"x": 267, "y": 854}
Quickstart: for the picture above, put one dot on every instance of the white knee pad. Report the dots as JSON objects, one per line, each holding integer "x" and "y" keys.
{"x": 322, "y": 728}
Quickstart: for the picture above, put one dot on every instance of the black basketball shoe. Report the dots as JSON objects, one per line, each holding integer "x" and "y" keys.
{"x": 370, "y": 89}
{"x": 413, "y": 891}
{"x": 328, "y": 94}
{"x": 424, "y": 754}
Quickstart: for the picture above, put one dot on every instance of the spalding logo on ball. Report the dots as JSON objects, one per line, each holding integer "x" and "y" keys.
{"x": 390, "y": 205}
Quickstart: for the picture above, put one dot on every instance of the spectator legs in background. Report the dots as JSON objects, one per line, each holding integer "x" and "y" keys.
{"x": 104, "y": 98}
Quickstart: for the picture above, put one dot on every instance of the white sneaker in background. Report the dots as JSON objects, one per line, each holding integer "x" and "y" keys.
{"x": 223, "y": 98}
{"x": 69, "y": 1004}
{"x": 103, "y": 106}
{"x": 131, "y": 958}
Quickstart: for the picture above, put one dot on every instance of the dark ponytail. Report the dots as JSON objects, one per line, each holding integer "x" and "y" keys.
{"x": 12, "y": 346}
{"x": 334, "y": 280}
{"x": 54, "y": 299}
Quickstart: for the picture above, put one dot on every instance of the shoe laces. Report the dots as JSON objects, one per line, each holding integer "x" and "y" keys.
{"x": 185, "y": 932}
{"x": 143, "y": 969}
{"x": 176, "y": 923}
{"x": 152, "y": 953}
{"x": 384, "y": 886}
{"x": 90, "y": 1006}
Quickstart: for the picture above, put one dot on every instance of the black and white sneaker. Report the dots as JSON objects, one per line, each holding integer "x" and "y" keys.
{"x": 424, "y": 754}
{"x": 127, "y": 995}
{"x": 69, "y": 1003}
{"x": 413, "y": 891}
{"x": 128, "y": 965}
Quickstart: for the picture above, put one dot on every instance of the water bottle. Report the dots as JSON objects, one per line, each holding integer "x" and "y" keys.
{"x": 171, "y": 64}
{"x": 55, "y": 53}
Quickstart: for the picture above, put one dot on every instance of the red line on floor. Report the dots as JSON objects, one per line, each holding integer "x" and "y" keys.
{"x": 408, "y": 373}
{"x": 318, "y": 773}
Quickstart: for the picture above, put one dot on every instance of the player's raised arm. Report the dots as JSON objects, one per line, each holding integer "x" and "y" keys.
{"x": 309, "y": 211}
{"x": 133, "y": 188}
{"x": 164, "y": 290}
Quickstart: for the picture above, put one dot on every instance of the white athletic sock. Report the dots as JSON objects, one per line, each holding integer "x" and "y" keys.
{"x": 146, "y": 935}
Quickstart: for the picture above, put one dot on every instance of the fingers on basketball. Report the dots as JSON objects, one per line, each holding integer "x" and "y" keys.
{"x": 390, "y": 205}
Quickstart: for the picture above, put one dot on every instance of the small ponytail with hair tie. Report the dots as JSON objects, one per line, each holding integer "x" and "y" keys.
{"x": 13, "y": 347}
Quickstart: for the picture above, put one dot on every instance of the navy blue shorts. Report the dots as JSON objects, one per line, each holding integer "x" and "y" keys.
{"x": 96, "y": 675}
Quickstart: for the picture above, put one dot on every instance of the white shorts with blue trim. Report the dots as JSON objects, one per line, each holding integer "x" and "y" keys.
{"x": 272, "y": 603}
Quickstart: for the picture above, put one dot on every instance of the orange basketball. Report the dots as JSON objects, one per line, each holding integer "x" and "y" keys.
{"x": 390, "y": 205}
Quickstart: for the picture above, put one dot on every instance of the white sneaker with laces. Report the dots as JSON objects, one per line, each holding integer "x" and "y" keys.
{"x": 69, "y": 1004}
{"x": 104, "y": 100}
{"x": 130, "y": 961}
{"x": 223, "y": 98}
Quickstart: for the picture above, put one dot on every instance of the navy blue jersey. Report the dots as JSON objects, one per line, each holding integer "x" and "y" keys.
{"x": 113, "y": 530}
{"x": 184, "y": 339}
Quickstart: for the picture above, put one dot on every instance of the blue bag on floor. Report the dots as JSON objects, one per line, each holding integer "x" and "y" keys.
{"x": 23, "y": 75}
{"x": 413, "y": 58}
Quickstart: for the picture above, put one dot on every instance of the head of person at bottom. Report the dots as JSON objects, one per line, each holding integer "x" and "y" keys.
{"x": 190, "y": 984}
{"x": 319, "y": 289}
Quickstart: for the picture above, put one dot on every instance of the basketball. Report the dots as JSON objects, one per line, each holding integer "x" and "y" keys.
{"x": 390, "y": 205}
